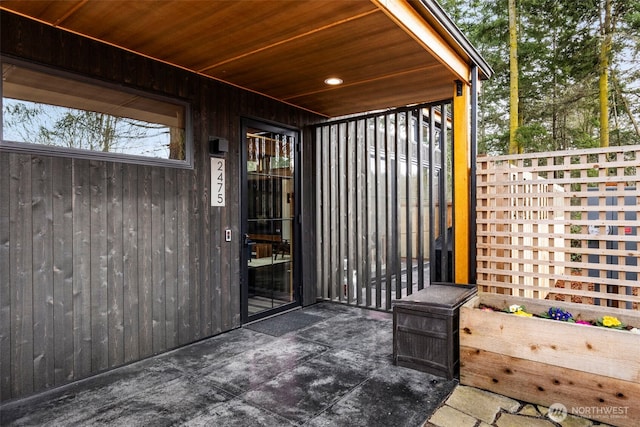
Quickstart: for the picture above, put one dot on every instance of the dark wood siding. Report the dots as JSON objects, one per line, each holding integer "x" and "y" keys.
{"x": 105, "y": 263}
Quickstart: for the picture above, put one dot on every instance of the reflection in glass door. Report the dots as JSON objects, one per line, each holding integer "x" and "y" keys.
{"x": 269, "y": 210}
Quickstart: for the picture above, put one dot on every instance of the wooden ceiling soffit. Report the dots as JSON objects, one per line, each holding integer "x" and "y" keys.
{"x": 308, "y": 26}
{"x": 386, "y": 53}
{"x": 408, "y": 19}
{"x": 358, "y": 51}
{"x": 387, "y": 92}
{"x": 193, "y": 34}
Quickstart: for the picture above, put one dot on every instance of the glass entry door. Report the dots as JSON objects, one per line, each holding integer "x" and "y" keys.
{"x": 269, "y": 209}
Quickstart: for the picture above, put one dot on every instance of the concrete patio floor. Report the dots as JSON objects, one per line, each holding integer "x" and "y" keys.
{"x": 325, "y": 365}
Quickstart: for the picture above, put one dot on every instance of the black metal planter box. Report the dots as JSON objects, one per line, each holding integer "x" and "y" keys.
{"x": 425, "y": 329}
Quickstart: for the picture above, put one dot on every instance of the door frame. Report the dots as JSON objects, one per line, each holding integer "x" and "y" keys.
{"x": 296, "y": 243}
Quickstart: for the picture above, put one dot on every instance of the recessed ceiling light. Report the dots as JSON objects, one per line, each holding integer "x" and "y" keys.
{"x": 333, "y": 81}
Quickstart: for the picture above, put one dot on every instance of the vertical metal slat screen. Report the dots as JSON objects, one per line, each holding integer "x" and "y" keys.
{"x": 381, "y": 205}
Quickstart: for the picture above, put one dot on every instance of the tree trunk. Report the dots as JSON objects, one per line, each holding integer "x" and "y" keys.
{"x": 176, "y": 144}
{"x": 605, "y": 52}
{"x": 514, "y": 146}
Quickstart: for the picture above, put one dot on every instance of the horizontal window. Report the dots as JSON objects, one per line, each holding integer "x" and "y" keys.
{"x": 58, "y": 112}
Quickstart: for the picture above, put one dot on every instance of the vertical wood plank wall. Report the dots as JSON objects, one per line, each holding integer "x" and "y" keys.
{"x": 105, "y": 263}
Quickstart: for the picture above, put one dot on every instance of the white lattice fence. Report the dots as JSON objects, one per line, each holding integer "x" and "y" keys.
{"x": 561, "y": 225}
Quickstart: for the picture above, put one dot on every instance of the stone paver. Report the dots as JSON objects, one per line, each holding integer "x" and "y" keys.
{"x": 543, "y": 410}
{"x": 573, "y": 421}
{"x": 447, "y": 416}
{"x": 513, "y": 420}
{"x": 530, "y": 410}
{"x": 481, "y": 404}
{"x": 472, "y": 407}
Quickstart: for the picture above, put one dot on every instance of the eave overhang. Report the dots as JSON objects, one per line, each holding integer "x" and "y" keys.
{"x": 389, "y": 53}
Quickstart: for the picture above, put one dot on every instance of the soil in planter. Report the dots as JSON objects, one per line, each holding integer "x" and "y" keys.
{"x": 538, "y": 315}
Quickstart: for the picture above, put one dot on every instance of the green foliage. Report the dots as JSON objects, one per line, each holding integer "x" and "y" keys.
{"x": 559, "y": 41}
{"x": 533, "y": 137}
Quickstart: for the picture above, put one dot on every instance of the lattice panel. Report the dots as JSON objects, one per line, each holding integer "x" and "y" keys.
{"x": 561, "y": 225}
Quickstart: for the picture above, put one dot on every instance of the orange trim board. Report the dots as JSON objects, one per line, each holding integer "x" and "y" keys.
{"x": 407, "y": 18}
{"x": 461, "y": 183}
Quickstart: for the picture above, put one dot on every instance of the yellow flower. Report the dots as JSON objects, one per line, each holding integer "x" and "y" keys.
{"x": 514, "y": 308}
{"x": 610, "y": 322}
{"x": 523, "y": 313}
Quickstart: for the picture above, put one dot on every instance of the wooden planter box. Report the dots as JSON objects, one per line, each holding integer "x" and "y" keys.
{"x": 593, "y": 371}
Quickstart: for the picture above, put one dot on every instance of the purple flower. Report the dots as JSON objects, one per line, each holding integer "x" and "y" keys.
{"x": 557, "y": 313}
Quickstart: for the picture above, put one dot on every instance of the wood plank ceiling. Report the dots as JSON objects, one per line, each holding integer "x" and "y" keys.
{"x": 283, "y": 49}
